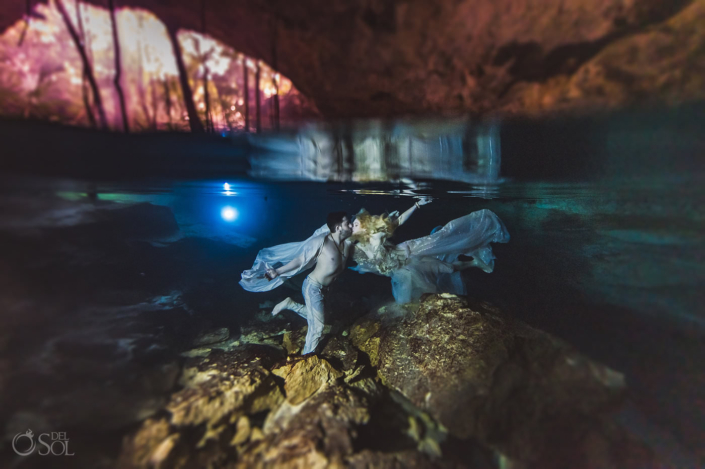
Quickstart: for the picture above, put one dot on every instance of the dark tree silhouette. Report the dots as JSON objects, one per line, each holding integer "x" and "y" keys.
{"x": 150, "y": 120}
{"x": 207, "y": 98}
{"x": 224, "y": 105}
{"x": 204, "y": 59}
{"x": 155, "y": 103}
{"x": 275, "y": 67}
{"x": 258, "y": 111}
{"x": 167, "y": 102}
{"x": 246, "y": 79}
{"x": 86, "y": 64}
{"x": 84, "y": 82}
{"x": 118, "y": 66}
{"x": 27, "y": 19}
{"x": 194, "y": 121}
{"x": 141, "y": 93}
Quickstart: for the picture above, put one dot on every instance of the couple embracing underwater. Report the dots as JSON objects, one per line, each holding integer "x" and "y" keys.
{"x": 430, "y": 264}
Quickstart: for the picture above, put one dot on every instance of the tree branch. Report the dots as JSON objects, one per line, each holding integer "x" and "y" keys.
{"x": 86, "y": 64}
{"x": 118, "y": 67}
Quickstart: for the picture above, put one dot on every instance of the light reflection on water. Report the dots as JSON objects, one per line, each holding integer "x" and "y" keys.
{"x": 378, "y": 151}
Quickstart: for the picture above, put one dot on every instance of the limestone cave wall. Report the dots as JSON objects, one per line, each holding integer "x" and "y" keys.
{"x": 400, "y": 57}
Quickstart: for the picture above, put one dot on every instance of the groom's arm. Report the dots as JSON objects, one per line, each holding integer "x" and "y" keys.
{"x": 286, "y": 268}
{"x": 294, "y": 264}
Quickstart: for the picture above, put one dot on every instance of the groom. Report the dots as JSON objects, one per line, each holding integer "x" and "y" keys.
{"x": 330, "y": 262}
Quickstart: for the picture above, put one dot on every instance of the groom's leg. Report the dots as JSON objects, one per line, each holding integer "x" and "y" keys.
{"x": 291, "y": 305}
{"x": 314, "y": 296}
{"x": 298, "y": 308}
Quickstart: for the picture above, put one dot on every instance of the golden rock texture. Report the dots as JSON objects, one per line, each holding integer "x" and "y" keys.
{"x": 451, "y": 383}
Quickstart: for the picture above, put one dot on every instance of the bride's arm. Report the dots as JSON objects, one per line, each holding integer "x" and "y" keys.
{"x": 405, "y": 216}
{"x": 378, "y": 238}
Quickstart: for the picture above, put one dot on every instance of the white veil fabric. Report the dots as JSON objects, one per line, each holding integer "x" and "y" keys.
{"x": 254, "y": 280}
{"x": 428, "y": 268}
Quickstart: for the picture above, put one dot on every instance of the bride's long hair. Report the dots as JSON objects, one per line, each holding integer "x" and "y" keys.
{"x": 373, "y": 224}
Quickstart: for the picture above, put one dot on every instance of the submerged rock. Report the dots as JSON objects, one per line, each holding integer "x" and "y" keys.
{"x": 265, "y": 330}
{"x": 341, "y": 352}
{"x": 250, "y": 407}
{"x": 289, "y": 335}
{"x": 317, "y": 433}
{"x": 208, "y": 417}
{"x": 149, "y": 444}
{"x": 211, "y": 337}
{"x": 305, "y": 377}
{"x": 365, "y": 335}
{"x": 294, "y": 341}
{"x": 224, "y": 384}
{"x": 393, "y": 460}
{"x": 483, "y": 375}
{"x": 465, "y": 387}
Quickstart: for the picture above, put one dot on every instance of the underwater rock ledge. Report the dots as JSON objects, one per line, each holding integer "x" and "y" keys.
{"x": 452, "y": 383}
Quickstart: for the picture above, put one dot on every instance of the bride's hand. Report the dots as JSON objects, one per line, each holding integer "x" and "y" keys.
{"x": 424, "y": 200}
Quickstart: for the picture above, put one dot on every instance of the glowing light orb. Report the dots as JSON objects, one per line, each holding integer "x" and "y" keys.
{"x": 228, "y": 214}
{"x": 226, "y": 186}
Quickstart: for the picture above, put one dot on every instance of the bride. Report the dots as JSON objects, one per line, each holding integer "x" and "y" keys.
{"x": 430, "y": 264}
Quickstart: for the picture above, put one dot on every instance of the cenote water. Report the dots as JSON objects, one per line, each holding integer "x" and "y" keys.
{"x": 107, "y": 284}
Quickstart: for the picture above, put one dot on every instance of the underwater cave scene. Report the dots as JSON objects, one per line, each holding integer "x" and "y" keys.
{"x": 383, "y": 234}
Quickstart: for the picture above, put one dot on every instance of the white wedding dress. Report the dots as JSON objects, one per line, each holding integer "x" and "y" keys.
{"x": 424, "y": 265}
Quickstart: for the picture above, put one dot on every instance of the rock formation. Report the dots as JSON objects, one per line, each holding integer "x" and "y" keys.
{"x": 482, "y": 375}
{"x": 453, "y": 383}
{"x": 385, "y": 57}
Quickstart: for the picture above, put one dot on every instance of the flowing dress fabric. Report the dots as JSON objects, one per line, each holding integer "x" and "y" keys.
{"x": 424, "y": 265}
{"x": 254, "y": 279}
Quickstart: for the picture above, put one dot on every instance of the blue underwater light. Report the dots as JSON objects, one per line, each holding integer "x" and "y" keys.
{"x": 229, "y": 213}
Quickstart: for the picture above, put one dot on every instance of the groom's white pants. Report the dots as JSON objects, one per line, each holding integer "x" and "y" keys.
{"x": 312, "y": 312}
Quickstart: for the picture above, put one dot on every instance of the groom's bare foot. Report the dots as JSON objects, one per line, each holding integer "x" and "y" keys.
{"x": 477, "y": 262}
{"x": 462, "y": 265}
{"x": 281, "y": 306}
